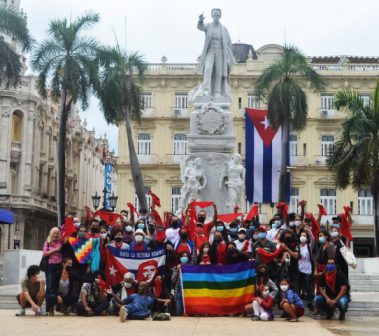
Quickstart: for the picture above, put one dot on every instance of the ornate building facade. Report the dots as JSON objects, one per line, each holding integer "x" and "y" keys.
{"x": 161, "y": 142}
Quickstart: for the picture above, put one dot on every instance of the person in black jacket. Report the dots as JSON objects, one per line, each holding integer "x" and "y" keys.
{"x": 62, "y": 285}
{"x": 234, "y": 256}
{"x": 162, "y": 297}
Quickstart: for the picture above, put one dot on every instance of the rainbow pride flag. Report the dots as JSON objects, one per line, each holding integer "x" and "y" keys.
{"x": 218, "y": 289}
{"x": 82, "y": 248}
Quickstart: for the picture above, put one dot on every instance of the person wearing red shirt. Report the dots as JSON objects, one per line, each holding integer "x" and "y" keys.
{"x": 263, "y": 306}
{"x": 94, "y": 229}
{"x": 218, "y": 251}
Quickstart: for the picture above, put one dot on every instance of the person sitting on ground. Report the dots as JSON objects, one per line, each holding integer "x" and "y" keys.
{"x": 139, "y": 243}
{"x": 333, "y": 290}
{"x": 203, "y": 258}
{"x": 62, "y": 288}
{"x": 118, "y": 241}
{"x": 234, "y": 256}
{"x": 218, "y": 250}
{"x": 184, "y": 259}
{"x": 220, "y": 227}
{"x": 291, "y": 302}
{"x": 242, "y": 243}
{"x": 122, "y": 290}
{"x": 161, "y": 295}
{"x": 94, "y": 229}
{"x": 32, "y": 292}
{"x": 263, "y": 306}
{"x": 93, "y": 301}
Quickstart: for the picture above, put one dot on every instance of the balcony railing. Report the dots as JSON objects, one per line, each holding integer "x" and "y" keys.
{"x": 363, "y": 67}
{"x": 145, "y": 159}
{"x": 16, "y": 144}
{"x": 327, "y": 67}
{"x": 180, "y": 112}
{"x": 172, "y": 66}
{"x": 149, "y": 112}
{"x": 328, "y": 114}
{"x": 320, "y": 160}
{"x": 175, "y": 159}
{"x": 298, "y": 160}
{"x": 363, "y": 219}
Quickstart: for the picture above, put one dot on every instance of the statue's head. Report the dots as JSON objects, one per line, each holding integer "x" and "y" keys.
{"x": 198, "y": 162}
{"x": 237, "y": 158}
{"x": 216, "y": 14}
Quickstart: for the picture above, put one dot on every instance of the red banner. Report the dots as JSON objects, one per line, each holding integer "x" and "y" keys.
{"x": 109, "y": 217}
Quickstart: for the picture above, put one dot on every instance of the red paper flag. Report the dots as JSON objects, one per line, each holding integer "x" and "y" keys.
{"x": 69, "y": 228}
{"x": 283, "y": 208}
{"x": 102, "y": 286}
{"x": 156, "y": 199}
{"x": 267, "y": 257}
{"x": 252, "y": 213}
{"x": 345, "y": 227}
{"x": 315, "y": 226}
{"x": 88, "y": 210}
{"x": 109, "y": 217}
{"x": 227, "y": 218}
{"x": 323, "y": 211}
{"x": 158, "y": 218}
{"x": 298, "y": 204}
{"x": 347, "y": 209}
{"x": 166, "y": 217}
{"x": 132, "y": 208}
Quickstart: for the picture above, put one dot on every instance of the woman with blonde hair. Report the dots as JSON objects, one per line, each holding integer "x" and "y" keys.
{"x": 52, "y": 250}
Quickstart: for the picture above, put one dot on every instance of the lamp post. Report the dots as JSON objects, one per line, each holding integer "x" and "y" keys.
{"x": 96, "y": 201}
{"x": 327, "y": 225}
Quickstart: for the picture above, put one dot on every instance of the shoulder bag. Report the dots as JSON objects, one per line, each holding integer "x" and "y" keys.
{"x": 44, "y": 261}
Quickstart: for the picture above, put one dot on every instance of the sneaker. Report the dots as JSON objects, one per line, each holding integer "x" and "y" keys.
{"x": 328, "y": 317}
{"x": 255, "y": 318}
{"x": 336, "y": 315}
{"x": 41, "y": 312}
{"x": 123, "y": 314}
{"x": 21, "y": 312}
{"x": 342, "y": 317}
{"x": 315, "y": 315}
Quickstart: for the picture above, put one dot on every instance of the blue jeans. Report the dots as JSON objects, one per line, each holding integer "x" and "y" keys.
{"x": 135, "y": 313}
{"x": 97, "y": 309}
{"x": 51, "y": 269}
{"x": 307, "y": 283}
{"x": 179, "y": 303}
{"x": 342, "y": 304}
{"x": 68, "y": 300}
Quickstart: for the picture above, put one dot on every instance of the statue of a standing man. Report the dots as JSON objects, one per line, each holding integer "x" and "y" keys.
{"x": 216, "y": 60}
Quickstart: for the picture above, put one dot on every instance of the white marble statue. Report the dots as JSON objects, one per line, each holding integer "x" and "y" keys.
{"x": 216, "y": 60}
{"x": 234, "y": 172}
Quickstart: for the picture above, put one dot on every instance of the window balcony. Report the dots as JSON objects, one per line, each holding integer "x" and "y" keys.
{"x": 175, "y": 159}
{"x": 149, "y": 112}
{"x": 328, "y": 114}
{"x": 363, "y": 219}
{"x": 320, "y": 160}
{"x": 16, "y": 144}
{"x": 180, "y": 112}
{"x": 144, "y": 159}
{"x": 298, "y": 160}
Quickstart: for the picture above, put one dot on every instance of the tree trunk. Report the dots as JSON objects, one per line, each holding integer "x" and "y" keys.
{"x": 61, "y": 161}
{"x": 134, "y": 163}
{"x": 376, "y": 224}
{"x": 283, "y": 165}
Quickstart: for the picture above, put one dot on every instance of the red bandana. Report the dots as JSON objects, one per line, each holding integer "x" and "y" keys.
{"x": 331, "y": 280}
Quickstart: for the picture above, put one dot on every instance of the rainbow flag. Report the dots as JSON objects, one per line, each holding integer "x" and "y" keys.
{"x": 218, "y": 289}
{"x": 82, "y": 248}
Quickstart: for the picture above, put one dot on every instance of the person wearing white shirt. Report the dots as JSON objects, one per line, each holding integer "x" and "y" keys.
{"x": 172, "y": 233}
{"x": 243, "y": 245}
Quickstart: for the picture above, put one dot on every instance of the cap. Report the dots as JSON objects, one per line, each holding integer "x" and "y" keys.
{"x": 262, "y": 228}
{"x": 337, "y": 218}
{"x": 200, "y": 224}
{"x": 242, "y": 230}
{"x": 161, "y": 227}
{"x": 142, "y": 210}
{"x": 139, "y": 231}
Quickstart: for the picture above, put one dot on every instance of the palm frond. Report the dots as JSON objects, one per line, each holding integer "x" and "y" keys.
{"x": 10, "y": 66}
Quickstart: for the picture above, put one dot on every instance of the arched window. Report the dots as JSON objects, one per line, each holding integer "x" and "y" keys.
{"x": 16, "y": 127}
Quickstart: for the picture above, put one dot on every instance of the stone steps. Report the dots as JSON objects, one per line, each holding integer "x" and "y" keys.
{"x": 363, "y": 276}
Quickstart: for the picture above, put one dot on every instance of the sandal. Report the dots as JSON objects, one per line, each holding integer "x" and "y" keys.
{"x": 293, "y": 320}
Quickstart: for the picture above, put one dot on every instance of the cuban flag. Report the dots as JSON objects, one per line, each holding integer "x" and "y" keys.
{"x": 145, "y": 265}
{"x": 263, "y": 158}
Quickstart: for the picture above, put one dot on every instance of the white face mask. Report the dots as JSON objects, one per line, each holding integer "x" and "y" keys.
{"x": 76, "y": 225}
{"x": 103, "y": 235}
{"x": 297, "y": 223}
{"x": 241, "y": 237}
{"x": 127, "y": 285}
{"x": 138, "y": 238}
{"x": 255, "y": 236}
{"x": 266, "y": 293}
{"x": 129, "y": 228}
{"x": 335, "y": 234}
{"x": 292, "y": 223}
{"x": 205, "y": 249}
{"x": 284, "y": 288}
{"x": 303, "y": 239}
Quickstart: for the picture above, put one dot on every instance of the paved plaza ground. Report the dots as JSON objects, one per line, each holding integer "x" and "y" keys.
{"x": 203, "y": 326}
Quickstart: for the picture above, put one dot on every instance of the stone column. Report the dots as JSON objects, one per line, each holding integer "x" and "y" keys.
{"x": 37, "y": 156}
{"x": 5, "y": 138}
{"x": 45, "y": 168}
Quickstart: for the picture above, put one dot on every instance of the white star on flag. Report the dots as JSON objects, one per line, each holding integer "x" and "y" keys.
{"x": 113, "y": 271}
{"x": 266, "y": 123}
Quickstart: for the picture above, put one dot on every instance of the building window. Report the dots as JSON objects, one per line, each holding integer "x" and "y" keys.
{"x": 239, "y": 103}
{"x": 175, "y": 199}
{"x": 147, "y": 100}
{"x": 328, "y": 197}
{"x": 181, "y": 100}
{"x": 365, "y": 202}
{"x": 293, "y": 145}
{"x": 327, "y": 102}
{"x": 180, "y": 144}
{"x": 239, "y": 148}
{"x": 366, "y": 99}
{"x": 143, "y": 144}
{"x": 253, "y": 102}
{"x": 148, "y": 199}
{"x": 294, "y": 200}
{"x": 249, "y": 205}
{"x": 16, "y": 128}
{"x": 327, "y": 143}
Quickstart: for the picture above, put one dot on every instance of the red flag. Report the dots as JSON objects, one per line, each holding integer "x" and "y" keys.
{"x": 114, "y": 270}
{"x": 88, "y": 210}
{"x": 109, "y": 217}
{"x": 102, "y": 286}
{"x": 315, "y": 226}
{"x": 158, "y": 218}
{"x": 132, "y": 208}
{"x": 323, "y": 211}
{"x": 252, "y": 213}
{"x": 283, "y": 208}
{"x": 69, "y": 228}
{"x": 228, "y": 217}
{"x": 156, "y": 199}
{"x": 166, "y": 217}
{"x": 193, "y": 211}
{"x": 267, "y": 257}
{"x": 298, "y": 204}
{"x": 347, "y": 209}
{"x": 345, "y": 227}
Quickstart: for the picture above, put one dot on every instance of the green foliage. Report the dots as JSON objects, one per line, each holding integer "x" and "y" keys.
{"x": 279, "y": 86}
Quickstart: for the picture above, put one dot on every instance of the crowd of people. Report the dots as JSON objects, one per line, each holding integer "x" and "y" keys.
{"x": 300, "y": 266}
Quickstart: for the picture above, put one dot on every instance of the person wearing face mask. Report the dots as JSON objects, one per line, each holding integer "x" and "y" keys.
{"x": 298, "y": 228}
{"x": 143, "y": 214}
{"x": 172, "y": 233}
{"x": 203, "y": 258}
{"x": 104, "y": 242}
{"x": 234, "y": 256}
{"x": 291, "y": 302}
{"x": 118, "y": 241}
{"x": 263, "y": 306}
{"x": 254, "y": 237}
{"x": 249, "y": 226}
{"x": 338, "y": 243}
{"x": 76, "y": 224}
{"x": 276, "y": 225}
{"x": 333, "y": 291}
{"x": 306, "y": 264}
{"x": 242, "y": 243}
{"x": 183, "y": 245}
{"x": 139, "y": 243}
{"x": 161, "y": 295}
{"x": 220, "y": 227}
{"x": 62, "y": 288}
{"x": 32, "y": 292}
{"x": 128, "y": 231}
{"x": 122, "y": 290}
{"x": 52, "y": 249}
{"x": 265, "y": 244}
{"x": 141, "y": 225}
{"x": 233, "y": 230}
{"x": 218, "y": 250}
{"x": 150, "y": 232}
{"x": 94, "y": 229}
{"x": 184, "y": 259}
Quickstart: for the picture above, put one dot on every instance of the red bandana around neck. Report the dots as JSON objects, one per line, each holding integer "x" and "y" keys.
{"x": 331, "y": 280}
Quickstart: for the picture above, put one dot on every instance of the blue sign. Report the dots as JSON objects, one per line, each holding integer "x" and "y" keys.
{"x": 108, "y": 183}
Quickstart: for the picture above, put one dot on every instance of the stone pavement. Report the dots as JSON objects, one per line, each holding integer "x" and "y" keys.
{"x": 72, "y": 326}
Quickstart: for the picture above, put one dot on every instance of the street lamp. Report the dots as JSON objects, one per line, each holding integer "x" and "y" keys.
{"x": 96, "y": 201}
{"x": 327, "y": 224}
{"x": 113, "y": 201}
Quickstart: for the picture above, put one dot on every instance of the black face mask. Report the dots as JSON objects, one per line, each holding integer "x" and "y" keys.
{"x": 288, "y": 240}
{"x": 151, "y": 230}
{"x": 183, "y": 236}
{"x": 217, "y": 240}
{"x": 94, "y": 229}
{"x": 201, "y": 219}
{"x": 261, "y": 274}
{"x": 68, "y": 268}
{"x": 175, "y": 224}
{"x": 118, "y": 239}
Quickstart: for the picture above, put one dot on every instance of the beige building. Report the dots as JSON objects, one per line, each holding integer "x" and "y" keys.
{"x": 160, "y": 139}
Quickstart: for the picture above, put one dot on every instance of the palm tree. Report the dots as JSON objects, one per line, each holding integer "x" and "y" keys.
{"x": 355, "y": 157}
{"x": 13, "y": 25}
{"x": 120, "y": 99}
{"x": 279, "y": 86}
{"x": 66, "y": 62}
